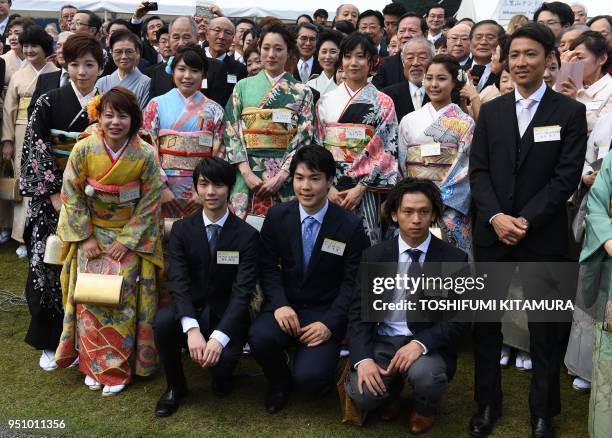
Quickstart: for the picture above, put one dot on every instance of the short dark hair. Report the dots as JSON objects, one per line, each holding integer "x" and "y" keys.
{"x": 315, "y": 158}
{"x": 596, "y": 44}
{"x": 345, "y": 26}
{"x": 217, "y": 171}
{"x": 536, "y": 32}
{"x": 283, "y": 32}
{"x": 410, "y": 14}
{"x": 308, "y": 26}
{"x": 436, "y": 6}
{"x": 608, "y": 18}
{"x": 253, "y": 31}
{"x": 500, "y": 30}
{"x": 162, "y": 31}
{"x": 561, "y": 10}
{"x": 78, "y": 45}
{"x": 66, "y": 7}
{"x": 94, "y": 19}
{"x": 414, "y": 185}
{"x": 355, "y": 40}
{"x": 119, "y": 21}
{"x": 125, "y": 35}
{"x": 123, "y": 100}
{"x": 557, "y": 56}
{"x": 395, "y": 9}
{"x": 24, "y": 22}
{"x": 36, "y": 36}
{"x": 440, "y": 42}
{"x": 252, "y": 48}
{"x": 372, "y": 13}
{"x": 245, "y": 21}
{"x": 451, "y": 65}
{"x": 191, "y": 54}
{"x": 329, "y": 35}
{"x": 466, "y": 19}
{"x": 320, "y": 13}
{"x": 310, "y": 20}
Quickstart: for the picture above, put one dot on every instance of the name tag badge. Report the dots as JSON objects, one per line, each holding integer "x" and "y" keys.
{"x": 281, "y": 117}
{"x": 204, "y": 83}
{"x": 594, "y": 105}
{"x": 602, "y": 151}
{"x": 333, "y": 247}
{"x": 205, "y": 140}
{"x": 228, "y": 257}
{"x": 430, "y": 150}
{"x": 129, "y": 194}
{"x": 354, "y": 133}
{"x": 546, "y": 133}
{"x": 232, "y": 79}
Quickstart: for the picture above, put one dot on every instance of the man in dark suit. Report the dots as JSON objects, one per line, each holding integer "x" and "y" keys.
{"x": 372, "y": 24}
{"x": 458, "y": 44}
{"x": 409, "y": 94}
{"x": 183, "y": 31}
{"x": 484, "y": 38}
{"x": 213, "y": 270}
{"x": 525, "y": 162}
{"x": 309, "y": 262}
{"x": 306, "y": 41}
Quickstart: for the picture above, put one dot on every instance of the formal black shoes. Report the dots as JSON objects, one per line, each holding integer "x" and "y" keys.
{"x": 481, "y": 424}
{"x": 542, "y": 428}
{"x": 169, "y": 402}
{"x": 277, "y": 397}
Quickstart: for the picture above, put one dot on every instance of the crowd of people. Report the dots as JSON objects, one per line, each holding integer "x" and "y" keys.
{"x": 235, "y": 174}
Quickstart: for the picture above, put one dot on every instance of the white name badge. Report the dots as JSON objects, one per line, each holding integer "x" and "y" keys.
{"x": 430, "y": 150}
{"x": 228, "y": 257}
{"x": 333, "y": 247}
{"x": 232, "y": 79}
{"x": 281, "y": 117}
{"x": 354, "y": 133}
{"x": 205, "y": 140}
{"x": 546, "y": 133}
{"x": 602, "y": 151}
{"x": 129, "y": 195}
{"x": 594, "y": 105}
{"x": 204, "y": 83}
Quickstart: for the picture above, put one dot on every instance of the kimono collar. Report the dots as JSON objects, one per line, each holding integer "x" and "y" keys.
{"x": 83, "y": 100}
{"x": 274, "y": 80}
{"x": 597, "y": 86}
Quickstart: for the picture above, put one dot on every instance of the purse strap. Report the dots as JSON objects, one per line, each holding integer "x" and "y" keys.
{"x": 3, "y": 168}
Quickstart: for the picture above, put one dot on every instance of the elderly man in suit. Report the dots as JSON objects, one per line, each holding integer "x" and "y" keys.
{"x": 525, "y": 162}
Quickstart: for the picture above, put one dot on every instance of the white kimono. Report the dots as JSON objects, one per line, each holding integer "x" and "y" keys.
{"x": 322, "y": 83}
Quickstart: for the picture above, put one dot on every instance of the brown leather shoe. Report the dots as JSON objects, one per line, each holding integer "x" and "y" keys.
{"x": 420, "y": 424}
{"x": 390, "y": 410}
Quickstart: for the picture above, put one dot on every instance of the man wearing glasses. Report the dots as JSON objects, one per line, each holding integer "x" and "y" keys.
{"x": 556, "y": 16}
{"x": 580, "y": 13}
{"x": 67, "y": 14}
{"x": 220, "y": 35}
{"x": 87, "y": 22}
{"x": 307, "y": 43}
{"x": 435, "y": 22}
{"x": 484, "y": 38}
{"x": 458, "y": 44}
{"x": 372, "y": 23}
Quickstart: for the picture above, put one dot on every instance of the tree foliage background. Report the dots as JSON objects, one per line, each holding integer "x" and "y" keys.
{"x": 420, "y": 6}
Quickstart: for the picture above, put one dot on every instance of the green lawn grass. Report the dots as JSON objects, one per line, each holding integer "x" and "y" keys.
{"x": 27, "y": 392}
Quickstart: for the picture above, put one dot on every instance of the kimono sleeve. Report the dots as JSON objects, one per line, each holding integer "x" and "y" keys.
{"x": 234, "y": 140}
{"x": 218, "y": 133}
{"x": 305, "y": 126}
{"x": 150, "y": 124}
{"x": 599, "y": 211}
{"x": 9, "y": 112}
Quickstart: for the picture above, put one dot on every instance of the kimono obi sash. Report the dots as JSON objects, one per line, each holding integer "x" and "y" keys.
{"x": 22, "y": 110}
{"x": 346, "y": 140}
{"x": 268, "y": 128}
{"x": 112, "y": 206}
{"x": 431, "y": 161}
{"x": 62, "y": 143}
{"x": 184, "y": 150}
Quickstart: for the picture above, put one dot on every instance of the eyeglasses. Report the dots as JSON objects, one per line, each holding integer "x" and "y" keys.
{"x": 65, "y": 16}
{"x": 489, "y": 37}
{"x": 373, "y": 27}
{"x": 549, "y": 22}
{"x": 438, "y": 17}
{"x": 223, "y": 31}
{"x": 455, "y": 39}
{"x": 306, "y": 39}
{"x": 78, "y": 23}
{"x": 127, "y": 52}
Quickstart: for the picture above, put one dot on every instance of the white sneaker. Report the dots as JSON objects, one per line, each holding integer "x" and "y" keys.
{"x": 92, "y": 383}
{"x": 5, "y": 236}
{"x": 518, "y": 363}
{"x": 21, "y": 251}
{"x": 581, "y": 385}
{"x": 246, "y": 350}
{"x": 47, "y": 360}
{"x": 505, "y": 356}
{"x": 109, "y": 391}
{"x": 527, "y": 365}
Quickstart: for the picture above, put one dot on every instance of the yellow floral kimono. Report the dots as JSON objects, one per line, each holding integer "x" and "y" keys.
{"x": 115, "y": 198}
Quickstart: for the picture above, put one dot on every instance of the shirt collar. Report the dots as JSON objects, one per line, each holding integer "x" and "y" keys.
{"x": 221, "y": 57}
{"x": 319, "y": 215}
{"x": 309, "y": 61}
{"x": 537, "y": 95}
{"x": 220, "y": 222}
{"x": 275, "y": 79}
{"x": 4, "y": 23}
{"x": 414, "y": 87}
{"x": 423, "y": 247}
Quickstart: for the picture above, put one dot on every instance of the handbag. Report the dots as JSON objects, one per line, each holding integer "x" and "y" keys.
{"x": 98, "y": 289}
{"x": 254, "y": 220}
{"x": 350, "y": 412}
{"x": 167, "y": 226}
{"x": 53, "y": 250}
{"x": 9, "y": 185}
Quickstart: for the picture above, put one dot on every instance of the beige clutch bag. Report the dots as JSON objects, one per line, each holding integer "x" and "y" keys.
{"x": 9, "y": 185}
{"x": 98, "y": 289}
{"x": 168, "y": 226}
{"x": 53, "y": 250}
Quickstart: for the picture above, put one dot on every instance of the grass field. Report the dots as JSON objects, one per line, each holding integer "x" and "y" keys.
{"x": 27, "y": 392}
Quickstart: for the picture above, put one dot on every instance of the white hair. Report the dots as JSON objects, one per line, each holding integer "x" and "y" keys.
{"x": 420, "y": 40}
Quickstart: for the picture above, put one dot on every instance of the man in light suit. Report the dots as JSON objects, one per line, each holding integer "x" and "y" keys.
{"x": 525, "y": 162}
{"x": 309, "y": 262}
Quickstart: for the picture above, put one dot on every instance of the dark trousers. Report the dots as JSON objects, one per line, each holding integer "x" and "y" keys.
{"x": 170, "y": 339}
{"x": 314, "y": 368}
{"x": 544, "y": 337}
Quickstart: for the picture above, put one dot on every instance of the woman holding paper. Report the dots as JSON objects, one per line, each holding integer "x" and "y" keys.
{"x": 434, "y": 143}
{"x": 358, "y": 124}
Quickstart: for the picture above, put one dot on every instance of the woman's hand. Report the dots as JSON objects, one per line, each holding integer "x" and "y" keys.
{"x": 568, "y": 56}
{"x": 117, "y": 250}
{"x": 56, "y": 201}
{"x": 334, "y": 196}
{"x": 589, "y": 178}
{"x": 568, "y": 87}
{"x": 252, "y": 181}
{"x": 91, "y": 248}
{"x": 272, "y": 185}
{"x": 7, "y": 151}
{"x": 351, "y": 198}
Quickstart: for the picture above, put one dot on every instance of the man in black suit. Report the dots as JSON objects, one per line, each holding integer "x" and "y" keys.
{"x": 409, "y": 94}
{"x": 458, "y": 44}
{"x": 484, "y": 38}
{"x": 391, "y": 70}
{"x": 183, "y": 31}
{"x": 525, "y": 162}
{"x": 213, "y": 270}
{"x": 309, "y": 262}
{"x": 372, "y": 23}
{"x": 306, "y": 41}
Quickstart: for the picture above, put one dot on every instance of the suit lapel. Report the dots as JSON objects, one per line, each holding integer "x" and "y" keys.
{"x": 331, "y": 221}
{"x": 510, "y": 127}
{"x": 390, "y": 253}
{"x": 200, "y": 236}
{"x": 540, "y": 118}
{"x": 295, "y": 229}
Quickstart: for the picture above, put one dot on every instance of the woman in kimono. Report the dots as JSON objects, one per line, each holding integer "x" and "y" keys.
{"x": 328, "y": 54}
{"x": 126, "y": 50}
{"x": 37, "y": 46}
{"x": 434, "y": 143}
{"x": 110, "y": 220}
{"x": 357, "y": 123}
{"x": 269, "y": 116}
{"x": 14, "y": 58}
{"x": 58, "y": 117}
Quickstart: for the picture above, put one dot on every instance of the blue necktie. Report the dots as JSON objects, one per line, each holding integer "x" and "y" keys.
{"x": 415, "y": 267}
{"x": 213, "y": 231}
{"x": 308, "y": 239}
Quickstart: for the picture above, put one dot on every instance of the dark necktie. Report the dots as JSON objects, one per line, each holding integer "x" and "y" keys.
{"x": 308, "y": 239}
{"x": 213, "y": 231}
{"x": 414, "y": 270}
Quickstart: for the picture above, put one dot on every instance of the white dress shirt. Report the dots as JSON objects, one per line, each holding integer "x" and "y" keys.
{"x": 433, "y": 38}
{"x": 3, "y": 25}
{"x": 318, "y": 216}
{"x": 484, "y": 78}
{"x": 188, "y": 322}
{"x": 413, "y": 89}
{"x": 309, "y": 62}
{"x": 238, "y": 57}
{"x": 221, "y": 57}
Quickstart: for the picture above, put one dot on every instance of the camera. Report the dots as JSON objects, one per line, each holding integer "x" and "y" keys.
{"x": 150, "y": 6}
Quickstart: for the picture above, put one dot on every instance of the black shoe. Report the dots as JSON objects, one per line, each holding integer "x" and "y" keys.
{"x": 169, "y": 401}
{"x": 481, "y": 424}
{"x": 222, "y": 389}
{"x": 542, "y": 428}
{"x": 277, "y": 397}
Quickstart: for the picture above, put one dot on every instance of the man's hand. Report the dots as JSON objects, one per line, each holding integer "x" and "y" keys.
{"x": 91, "y": 248}
{"x": 196, "y": 344}
{"x": 608, "y": 247}
{"x": 314, "y": 334}
{"x": 509, "y": 230}
{"x": 212, "y": 353}
{"x": 287, "y": 320}
{"x": 370, "y": 373}
{"x": 405, "y": 357}
{"x": 140, "y": 11}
